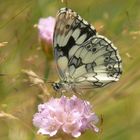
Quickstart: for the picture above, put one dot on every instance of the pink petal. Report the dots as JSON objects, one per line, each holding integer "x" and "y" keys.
{"x": 76, "y": 134}
{"x": 43, "y": 132}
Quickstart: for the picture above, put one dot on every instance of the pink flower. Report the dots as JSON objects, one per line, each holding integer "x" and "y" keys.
{"x": 70, "y": 115}
{"x": 46, "y": 29}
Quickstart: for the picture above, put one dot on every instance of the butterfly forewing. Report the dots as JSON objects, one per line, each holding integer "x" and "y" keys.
{"x": 82, "y": 56}
{"x": 70, "y": 32}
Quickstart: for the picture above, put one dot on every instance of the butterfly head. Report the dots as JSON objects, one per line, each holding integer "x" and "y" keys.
{"x": 57, "y": 86}
{"x": 63, "y": 86}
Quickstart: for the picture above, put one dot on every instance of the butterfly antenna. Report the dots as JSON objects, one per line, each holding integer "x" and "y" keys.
{"x": 50, "y": 82}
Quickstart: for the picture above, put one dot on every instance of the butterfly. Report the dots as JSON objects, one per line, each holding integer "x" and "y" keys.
{"x": 84, "y": 59}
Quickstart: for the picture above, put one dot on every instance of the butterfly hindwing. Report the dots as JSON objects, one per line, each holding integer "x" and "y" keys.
{"x": 96, "y": 62}
{"x": 70, "y": 31}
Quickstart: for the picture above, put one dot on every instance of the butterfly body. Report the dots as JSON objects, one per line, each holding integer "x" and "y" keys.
{"x": 84, "y": 59}
{"x": 63, "y": 86}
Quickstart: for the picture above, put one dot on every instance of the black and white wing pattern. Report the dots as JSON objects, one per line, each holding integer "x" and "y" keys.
{"x": 95, "y": 63}
{"x": 82, "y": 56}
{"x": 70, "y": 31}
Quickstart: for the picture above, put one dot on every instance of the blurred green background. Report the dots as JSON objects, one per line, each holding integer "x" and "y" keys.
{"x": 118, "y": 104}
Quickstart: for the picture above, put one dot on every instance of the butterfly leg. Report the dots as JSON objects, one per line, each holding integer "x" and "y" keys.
{"x": 77, "y": 93}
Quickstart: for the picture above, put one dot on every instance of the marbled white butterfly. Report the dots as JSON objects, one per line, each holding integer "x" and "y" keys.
{"x": 84, "y": 59}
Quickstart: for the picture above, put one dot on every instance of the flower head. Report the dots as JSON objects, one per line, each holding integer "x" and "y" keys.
{"x": 70, "y": 115}
{"x": 46, "y": 29}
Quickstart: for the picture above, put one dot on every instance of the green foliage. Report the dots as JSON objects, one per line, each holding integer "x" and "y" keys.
{"x": 118, "y": 104}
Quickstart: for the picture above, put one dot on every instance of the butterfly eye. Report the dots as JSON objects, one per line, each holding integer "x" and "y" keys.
{"x": 56, "y": 86}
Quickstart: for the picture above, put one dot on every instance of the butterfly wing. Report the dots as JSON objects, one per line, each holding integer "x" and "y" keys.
{"x": 83, "y": 57}
{"x": 71, "y": 31}
{"x": 95, "y": 63}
